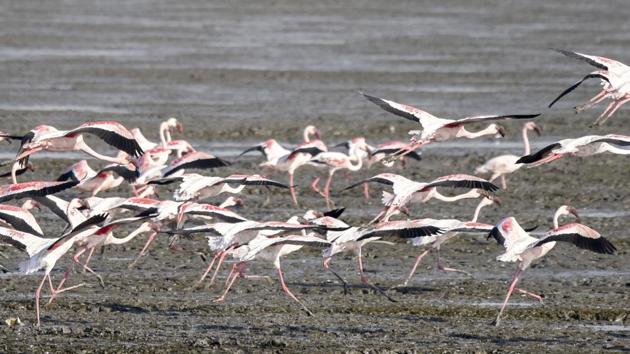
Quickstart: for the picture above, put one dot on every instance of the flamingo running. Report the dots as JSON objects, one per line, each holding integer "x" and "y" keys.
{"x": 522, "y": 248}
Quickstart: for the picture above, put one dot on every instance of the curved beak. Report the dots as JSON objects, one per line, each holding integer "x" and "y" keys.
{"x": 501, "y": 130}
{"x": 317, "y": 135}
{"x": 180, "y": 127}
{"x": 30, "y": 167}
{"x": 538, "y": 129}
{"x": 574, "y": 212}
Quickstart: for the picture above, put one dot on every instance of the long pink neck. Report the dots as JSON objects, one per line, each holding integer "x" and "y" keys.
{"x": 526, "y": 141}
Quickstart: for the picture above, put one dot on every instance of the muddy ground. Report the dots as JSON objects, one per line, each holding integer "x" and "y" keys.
{"x": 241, "y": 72}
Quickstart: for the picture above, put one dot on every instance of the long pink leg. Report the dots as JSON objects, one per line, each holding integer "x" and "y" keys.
{"x": 144, "y": 249}
{"x": 315, "y": 186}
{"x": 216, "y": 271}
{"x": 292, "y": 189}
{"x": 415, "y": 266}
{"x": 87, "y": 260}
{"x": 515, "y": 279}
{"x": 529, "y": 293}
{"x": 593, "y": 101}
{"x": 37, "y": 294}
{"x": 600, "y": 119}
{"x": 365, "y": 280}
{"x": 85, "y": 267}
{"x": 205, "y": 274}
{"x": 366, "y": 190}
{"x": 617, "y": 105}
{"x": 327, "y": 190}
{"x": 236, "y": 273}
{"x": 286, "y": 290}
{"x": 441, "y": 267}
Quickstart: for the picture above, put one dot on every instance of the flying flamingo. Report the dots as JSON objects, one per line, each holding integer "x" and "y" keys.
{"x": 45, "y": 137}
{"x": 33, "y": 189}
{"x": 522, "y": 248}
{"x": 92, "y": 181}
{"x": 200, "y": 187}
{"x": 20, "y": 218}
{"x": 337, "y": 161}
{"x": 440, "y": 129}
{"x": 501, "y": 165}
{"x": 584, "y": 146}
{"x": 407, "y": 191}
{"x": 615, "y": 80}
{"x": 271, "y": 150}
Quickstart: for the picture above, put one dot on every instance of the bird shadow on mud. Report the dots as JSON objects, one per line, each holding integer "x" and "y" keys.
{"x": 124, "y": 308}
{"x": 512, "y": 340}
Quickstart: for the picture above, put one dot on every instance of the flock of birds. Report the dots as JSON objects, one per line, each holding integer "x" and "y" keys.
{"x": 146, "y": 166}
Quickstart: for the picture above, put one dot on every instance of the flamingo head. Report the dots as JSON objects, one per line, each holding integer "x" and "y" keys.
{"x": 233, "y": 202}
{"x": 489, "y": 198}
{"x": 568, "y": 210}
{"x": 173, "y": 123}
{"x": 311, "y": 130}
{"x": 499, "y": 129}
{"x": 30, "y": 204}
{"x": 534, "y": 127}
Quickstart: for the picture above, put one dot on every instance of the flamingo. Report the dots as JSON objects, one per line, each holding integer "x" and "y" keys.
{"x": 336, "y": 161}
{"x": 33, "y": 189}
{"x": 271, "y": 249}
{"x": 165, "y": 130}
{"x": 45, "y": 137}
{"x": 92, "y": 181}
{"x": 584, "y": 146}
{"x": 228, "y": 235}
{"x": 298, "y": 157}
{"x": 501, "y": 165}
{"x": 271, "y": 150}
{"x": 440, "y": 129}
{"x": 353, "y": 239}
{"x": 522, "y": 248}
{"x": 20, "y": 218}
{"x": 200, "y": 187}
{"x": 615, "y": 80}
{"x": 45, "y": 252}
{"x": 452, "y": 228}
{"x": 408, "y": 191}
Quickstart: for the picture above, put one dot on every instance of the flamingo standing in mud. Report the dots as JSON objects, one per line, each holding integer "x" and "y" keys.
{"x": 615, "y": 80}
{"x": 501, "y": 165}
{"x": 522, "y": 248}
{"x": 407, "y": 191}
{"x": 336, "y": 161}
{"x": 440, "y": 129}
{"x": 584, "y": 146}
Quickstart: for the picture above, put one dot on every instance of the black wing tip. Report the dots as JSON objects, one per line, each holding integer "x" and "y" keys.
{"x": 496, "y": 234}
{"x": 335, "y": 213}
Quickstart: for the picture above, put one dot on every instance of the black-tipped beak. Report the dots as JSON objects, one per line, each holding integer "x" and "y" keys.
{"x": 501, "y": 130}
{"x": 538, "y": 130}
